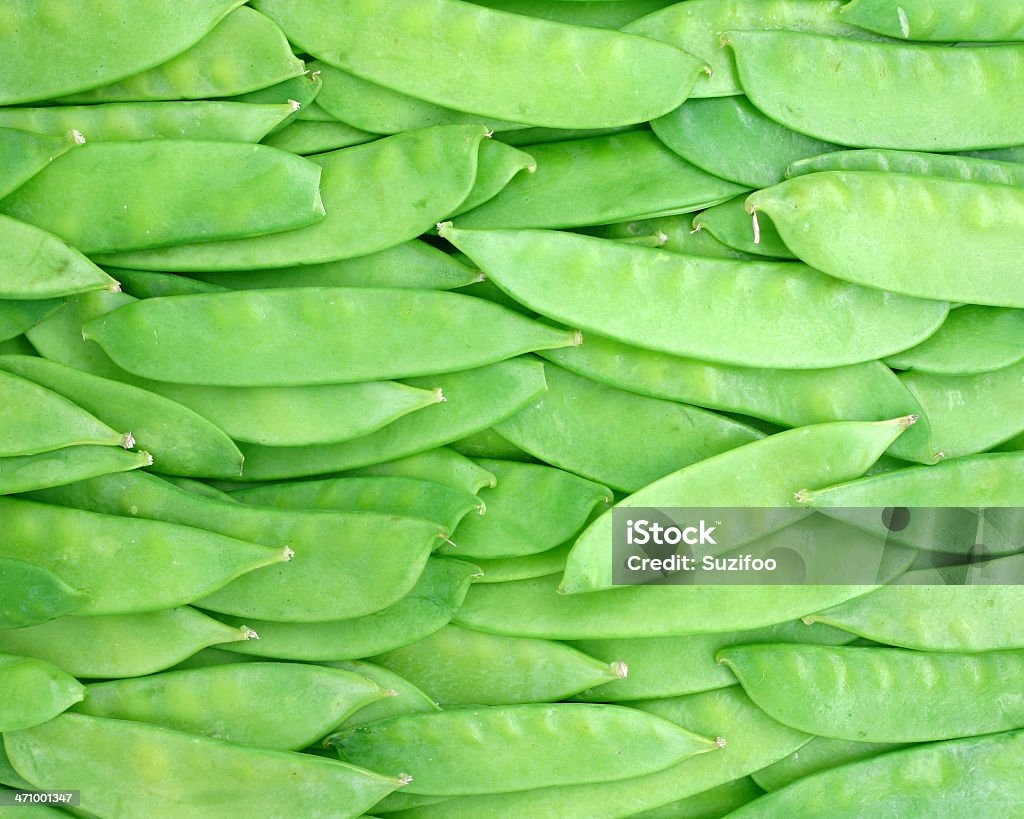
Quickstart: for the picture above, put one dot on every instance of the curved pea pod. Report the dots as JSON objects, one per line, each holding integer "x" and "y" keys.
{"x": 765, "y": 473}
{"x": 244, "y": 52}
{"x": 598, "y": 180}
{"x": 458, "y": 666}
{"x": 760, "y": 314}
{"x": 519, "y": 747}
{"x": 671, "y": 233}
{"x": 938, "y": 20}
{"x": 966, "y": 168}
{"x": 489, "y": 444}
{"x": 25, "y": 150}
{"x": 408, "y": 497}
{"x": 34, "y": 691}
{"x": 592, "y": 78}
{"x": 232, "y": 339}
{"x": 955, "y": 778}
{"x": 10, "y": 777}
{"x": 973, "y": 339}
{"x": 407, "y": 698}
{"x": 730, "y": 223}
{"x": 532, "y": 509}
{"x": 53, "y": 55}
{"x": 499, "y": 164}
{"x": 475, "y": 400}
{"x": 17, "y": 316}
{"x": 38, "y": 265}
{"x": 58, "y": 337}
{"x": 74, "y": 463}
{"x": 428, "y": 606}
{"x": 441, "y": 465}
{"x": 649, "y": 438}
{"x": 881, "y": 95}
{"x": 305, "y": 137}
{"x": 286, "y": 706}
{"x": 594, "y": 14}
{"x": 164, "y": 187}
{"x": 956, "y": 240}
{"x": 145, "y": 284}
{"x": 820, "y": 754}
{"x": 674, "y": 666}
{"x": 792, "y": 398}
{"x": 433, "y": 169}
{"x": 504, "y": 569}
{"x": 180, "y": 440}
{"x": 30, "y": 594}
{"x": 729, "y": 137}
{"x": 120, "y": 645}
{"x": 104, "y": 757}
{"x": 717, "y": 801}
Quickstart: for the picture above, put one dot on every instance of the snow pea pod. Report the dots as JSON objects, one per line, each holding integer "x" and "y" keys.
{"x": 232, "y": 339}
{"x": 17, "y": 316}
{"x": 52, "y": 54}
{"x": 910, "y": 234}
{"x": 499, "y": 164}
{"x": 972, "y": 339}
{"x": 504, "y": 569}
{"x": 441, "y": 465}
{"x": 29, "y": 595}
{"x": 489, "y": 444}
{"x": 433, "y": 168}
{"x": 313, "y": 112}
{"x": 106, "y": 758}
{"x": 882, "y": 95}
{"x": 970, "y": 169}
{"x": 761, "y": 314}
{"x": 673, "y": 233}
{"x": 74, "y": 463}
{"x": 820, "y": 754}
{"x": 598, "y": 180}
{"x": 407, "y": 698}
{"x": 303, "y": 137}
{"x": 145, "y": 284}
{"x": 730, "y": 223}
{"x": 938, "y": 20}
{"x": 595, "y": 13}
{"x": 718, "y": 801}
{"x": 592, "y": 77}
{"x": 25, "y": 149}
{"x": 34, "y": 691}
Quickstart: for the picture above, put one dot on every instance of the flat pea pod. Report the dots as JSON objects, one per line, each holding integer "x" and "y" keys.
{"x": 181, "y": 441}
{"x": 34, "y": 691}
{"x": 598, "y": 180}
{"x": 732, "y": 225}
{"x": 30, "y": 594}
{"x": 672, "y": 233}
{"x": 114, "y": 557}
{"x": 297, "y": 92}
{"x": 731, "y": 138}
{"x": 765, "y": 473}
{"x": 314, "y": 112}
{"x": 572, "y": 278}
{"x": 714, "y": 802}
{"x": 675, "y": 666}
{"x": 458, "y": 666}
{"x": 792, "y": 398}
{"x": 120, "y": 645}
{"x": 304, "y": 138}
{"x": 504, "y": 569}
{"x": 950, "y": 224}
{"x": 532, "y": 509}
{"x": 407, "y": 698}
{"x": 592, "y": 78}
{"x": 1015, "y": 153}
{"x": 881, "y": 95}
{"x": 499, "y": 164}
{"x": 966, "y": 168}
{"x": 197, "y": 487}
{"x": 459, "y": 752}
{"x": 25, "y": 150}
{"x": 231, "y": 339}
{"x": 74, "y": 463}
{"x": 146, "y": 284}
{"x": 158, "y": 192}
{"x": 19, "y": 315}
{"x": 39, "y": 265}
{"x": 937, "y": 20}
{"x": 428, "y": 606}
{"x": 52, "y": 55}
{"x": 441, "y": 465}
{"x": 286, "y": 706}
{"x": 104, "y": 757}
{"x": 972, "y": 339}
{"x": 10, "y": 777}
{"x": 595, "y": 13}
{"x": 244, "y": 52}
{"x": 958, "y": 778}
{"x": 345, "y": 564}
{"x": 434, "y": 168}
{"x": 649, "y": 437}
{"x": 489, "y": 444}
{"x": 820, "y": 754}
{"x": 475, "y": 400}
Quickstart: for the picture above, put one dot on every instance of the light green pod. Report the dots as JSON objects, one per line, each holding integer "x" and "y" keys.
{"x": 25, "y": 149}
{"x": 304, "y": 137}
{"x": 532, "y": 509}
{"x": 966, "y": 168}
{"x": 285, "y": 706}
{"x": 732, "y": 225}
{"x": 106, "y": 759}
{"x": 34, "y": 691}
{"x": 29, "y": 595}
{"x": 519, "y": 747}
{"x": 17, "y": 316}
{"x": 181, "y": 441}
{"x": 972, "y": 339}
{"x": 24, "y": 473}
{"x": 428, "y": 606}
{"x": 313, "y": 111}
{"x": 939, "y": 20}
{"x": 594, "y": 13}
{"x": 599, "y": 180}
{"x": 434, "y": 168}
{"x": 441, "y": 465}
{"x": 499, "y": 164}
{"x": 458, "y": 666}
{"x": 406, "y": 699}
{"x": 672, "y": 233}
{"x": 298, "y": 93}
{"x": 146, "y": 284}
{"x": 592, "y": 78}
{"x": 504, "y": 569}
{"x": 820, "y": 754}
{"x": 10, "y": 777}
{"x": 714, "y": 802}
{"x": 120, "y": 645}
{"x": 623, "y": 440}
{"x": 760, "y": 314}
{"x": 196, "y": 487}
{"x": 489, "y": 444}
{"x": 475, "y": 400}
{"x": 245, "y": 52}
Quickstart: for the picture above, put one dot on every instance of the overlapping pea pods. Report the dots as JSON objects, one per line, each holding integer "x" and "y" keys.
{"x": 343, "y": 405}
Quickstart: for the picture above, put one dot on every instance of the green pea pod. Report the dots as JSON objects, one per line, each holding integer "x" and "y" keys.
{"x": 441, "y": 465}
{"x": 17, "y": 316}
{"x": 10, "y": 777}
{"x": 457, "y": 666}
{"x": 74, "y": 463}
{"x": 180, "y": 440}
{"x": 593, "y": 14}
{"x": 499, "y": 164}
{"x": 408, "y": 699}
{"x": 730, "y": 223}
{"x": 34, "y": 691}
{"x": 972, "y": 339}
{"x": 476, "y": 399}
{"x": 303, "y": 137}
{"x": 672, "y": 233}
{"x": 598, "y": 180}
{"x": 145, "y": 284}
{"x": 297, "y": 92}
{"x": 504, "y": 569}
{"x": 428, "y": 606}
{"x": 29, "y": 595}
{"x": 966, "y": 168}
{"x": 717, "y": 801}
{"x": 25, "y": 150}
{"x": 313, "y": 111}
{"x": 489, "y": 444}
{"x": 937, "y": 20}
{"x": 820, "y": 754}
{"x": 433, "y": 169}
{"x": 245, "y": 52}
{"x": 159, "y": 192}
{"x": 102, "y": 757}
{"x": 592, "y": 78}
{"x": 286, "y": 706}
{"x": 53, "y": 55}
{"x": 59, "y": 338}
{"x": 120, "y": 645}
{"x": 204, "y": 490}
{"x": 761, "y": 314}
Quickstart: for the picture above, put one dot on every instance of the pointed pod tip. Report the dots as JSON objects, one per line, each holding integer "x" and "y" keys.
{"x": 77, "y": 137}
{"x": 404, "y": 779}
{"x": 114, "y": 286}
{"x": 129, "y": 441}
{"x": 720, "y": 742}
{"x": 288, "y": 553}
{"x": 802, "y": 496}
{"x": 444, "y": 228}
{"x": 620, "y": 669}
{"x": 577, "y": 338}
{"x": 248, "y": 633}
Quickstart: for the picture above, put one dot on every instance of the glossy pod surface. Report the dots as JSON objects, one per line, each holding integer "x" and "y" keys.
{"x": 67, "y": 465}
{"x": 25, "y": 151}
{"x": 34, "y": 691}
{"x": 29, "y": 595}
{"x": 939, "y": 20}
